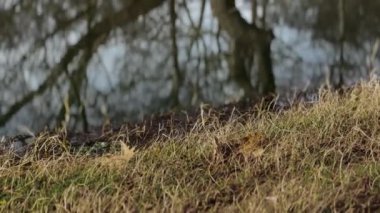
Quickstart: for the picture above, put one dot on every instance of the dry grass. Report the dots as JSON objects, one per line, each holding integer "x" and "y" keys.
{"x": 319, "y": 158}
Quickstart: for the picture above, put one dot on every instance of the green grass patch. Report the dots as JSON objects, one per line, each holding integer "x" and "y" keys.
{"x": 323, "y": 157}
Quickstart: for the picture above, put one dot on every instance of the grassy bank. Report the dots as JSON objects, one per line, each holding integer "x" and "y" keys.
{"x": 324, "y": 157}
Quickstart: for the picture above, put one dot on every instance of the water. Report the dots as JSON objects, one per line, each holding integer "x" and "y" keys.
{"x": 130, "y": 75}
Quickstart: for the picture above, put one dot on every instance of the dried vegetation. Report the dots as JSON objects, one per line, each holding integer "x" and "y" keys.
{"x": 323, "y": 157}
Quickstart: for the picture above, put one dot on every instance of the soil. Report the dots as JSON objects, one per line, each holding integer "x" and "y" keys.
{"x": 141, "y": 134}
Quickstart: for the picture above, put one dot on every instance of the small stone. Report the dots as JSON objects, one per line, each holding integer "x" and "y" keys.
{"x": 18, "y": 148}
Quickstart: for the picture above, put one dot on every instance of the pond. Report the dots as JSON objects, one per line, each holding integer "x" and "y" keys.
{"x": 129, "y": 75}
